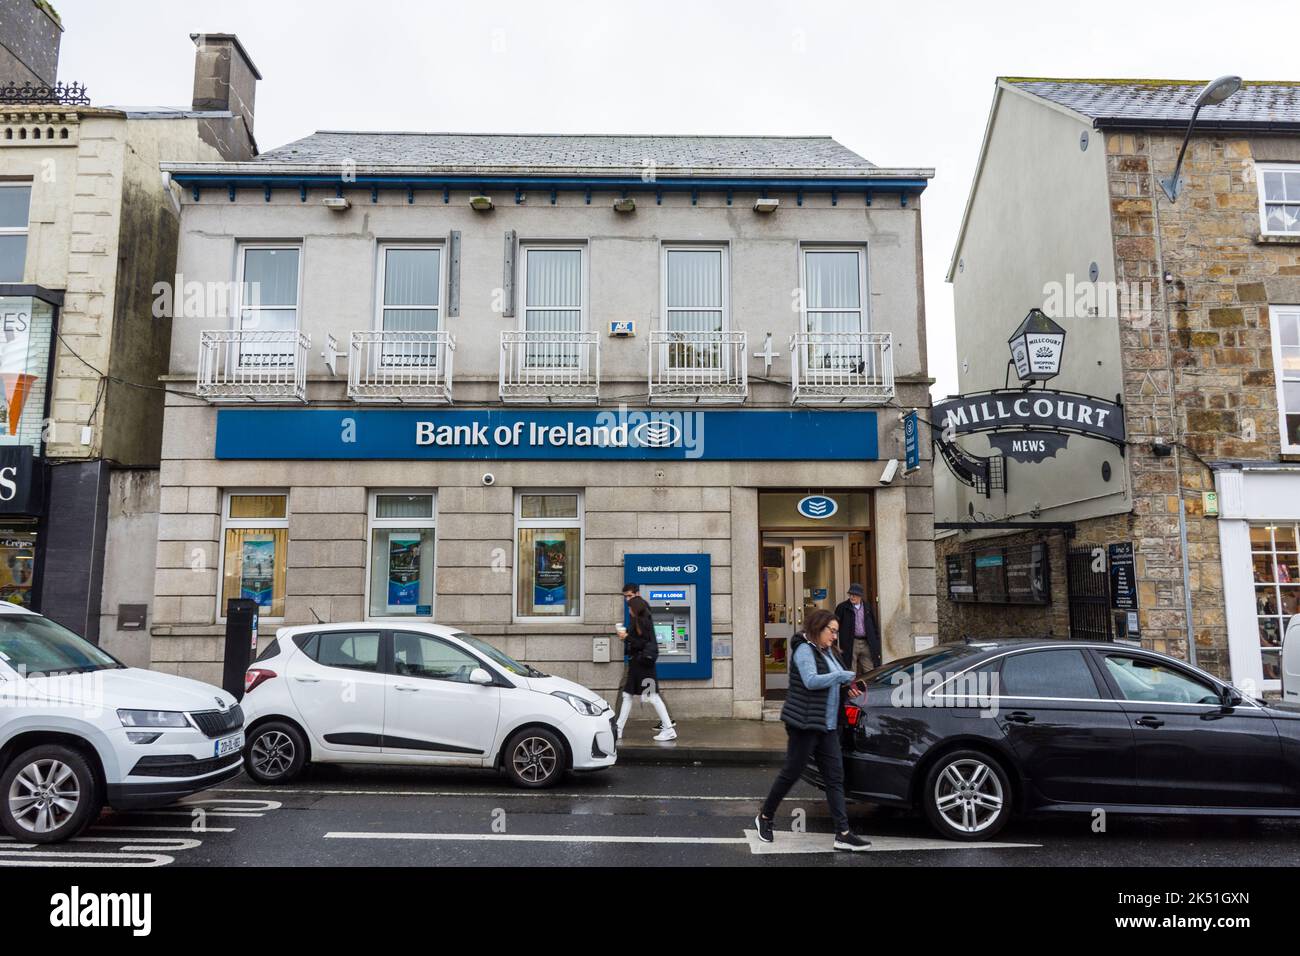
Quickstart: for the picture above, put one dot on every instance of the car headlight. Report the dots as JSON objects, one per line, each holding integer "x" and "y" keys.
{"x": 152, "y": 718}
{"x": 584, "y": 707}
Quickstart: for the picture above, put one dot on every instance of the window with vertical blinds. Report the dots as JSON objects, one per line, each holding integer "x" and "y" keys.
{"x": 553, "y": 302}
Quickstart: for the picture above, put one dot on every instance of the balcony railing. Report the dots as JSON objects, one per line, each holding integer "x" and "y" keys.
{"x": 561, "y": 367}
{"x": 698, "y": 367}
{"x": 253, "y": 365}
{"x": 404, "y": 367}
{"x": 841, "y": 368}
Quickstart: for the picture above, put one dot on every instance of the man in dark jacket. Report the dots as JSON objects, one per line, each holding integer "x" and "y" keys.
{"x": 859, "y": 639}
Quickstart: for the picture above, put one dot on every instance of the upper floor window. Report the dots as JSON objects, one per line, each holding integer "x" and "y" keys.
{"x": 410, "y": 277}
{"x": 1286, "y": 365}
{"x": 554, "y": 304}
{"x": 268, "y": 288}
{"x": 695, "y": 289}
{"x": 15, "y": 202}
{"x": 834, "y": 283}
{"x": 1279, "y": 199}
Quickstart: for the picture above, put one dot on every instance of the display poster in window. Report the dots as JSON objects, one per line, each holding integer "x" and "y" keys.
{"x": 961, "y": 584}
{"x": 16, "y": 362}
{"x": 403, "y": 570}
{"x": 257, "y": 570}
{"x": 549, "y": 555}
{"x": 990, "y": 576}
{"x": 1028, "y": 580}
{"x": 1123, "y": 576}
{"x": 17, "y": 568}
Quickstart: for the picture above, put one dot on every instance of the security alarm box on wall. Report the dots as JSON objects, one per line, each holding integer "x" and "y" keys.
{"x": 622, "y": 328}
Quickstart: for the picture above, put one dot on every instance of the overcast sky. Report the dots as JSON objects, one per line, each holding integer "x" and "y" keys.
{"x": 903, "y": 84}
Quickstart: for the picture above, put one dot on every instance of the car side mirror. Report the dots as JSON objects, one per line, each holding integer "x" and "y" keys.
{"x": 480, "y": 676}
{"x": 1229, "y": 697}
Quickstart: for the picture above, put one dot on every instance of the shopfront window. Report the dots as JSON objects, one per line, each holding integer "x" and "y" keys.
{"x": 256, "y": 526}
{"x": 548, "y": 554}
{"x": 27, "y": 324}
{"x": 401, "y": 554}
{"x": 17, "y": 565}
{"x": 15, "y": 201}
{"x": 1276, "y": 561}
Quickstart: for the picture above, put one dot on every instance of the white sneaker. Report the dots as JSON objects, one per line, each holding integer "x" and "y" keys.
{"x": 668, "y": 733}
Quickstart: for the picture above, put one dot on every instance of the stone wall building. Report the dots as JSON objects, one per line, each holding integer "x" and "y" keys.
{"x": 1186, "y": 311}
{"x": 399, "y": 417}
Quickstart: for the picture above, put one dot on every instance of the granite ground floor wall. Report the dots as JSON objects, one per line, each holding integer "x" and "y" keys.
{"x": 328, "y": 538}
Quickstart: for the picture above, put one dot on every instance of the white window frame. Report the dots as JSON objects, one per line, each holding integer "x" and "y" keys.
{"x": 229, "y": 523}
{"x": 24, "y": 231}
{"x": 864, "y": 294}
{"x": 580, "y": 522}
{"x": 1258, "y": 647}
{"x": 1279, "y": 376}
{"x": 555, "y": 245}
{"x": 374, "y": 523}
{"x": 381, "y": 265}
{"x": 724, "y": 251}
{"x": 1260, "y": 170}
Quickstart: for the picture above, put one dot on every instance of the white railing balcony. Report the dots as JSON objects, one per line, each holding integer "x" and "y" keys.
{"x": 401, "y": 366}
{"x": 253, "y": 365}
{"x": 841, "y": 368}
{"x": 561, "y": 367}
{"x": 698, "y": 367}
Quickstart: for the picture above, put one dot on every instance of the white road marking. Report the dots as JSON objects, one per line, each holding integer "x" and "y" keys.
{"x": 145, "y": 852}
{"x": 787, "y": 842}
{"x": 529, "y": 838}
{"x": 481, "y": 793}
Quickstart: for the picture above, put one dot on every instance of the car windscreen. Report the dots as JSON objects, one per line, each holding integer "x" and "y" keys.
{"x": 36, "y": 646}
{"x": 495, "y": 656}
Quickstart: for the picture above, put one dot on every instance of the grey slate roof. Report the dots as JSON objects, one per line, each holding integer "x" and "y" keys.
{"x": 1162, "y": 102}
{"x": 586, "y": 152}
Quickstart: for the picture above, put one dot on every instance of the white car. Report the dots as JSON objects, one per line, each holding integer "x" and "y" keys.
{"x": 79, "y": 729}
{"x": 415, "y": 694}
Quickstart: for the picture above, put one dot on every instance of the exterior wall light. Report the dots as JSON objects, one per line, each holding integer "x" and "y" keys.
{"x": 337, "y": 203}
{"x": 766, "y": 205}
{"x": 1214, "y": 93}
{"x": 1036, "y": 347}
{"x": 625, "y": 204}
{"x": 480, "y": 203}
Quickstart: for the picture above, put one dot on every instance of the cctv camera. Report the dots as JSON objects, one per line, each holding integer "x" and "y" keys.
{"x": 489, "y": 479}
{"x": 891, "y": 469}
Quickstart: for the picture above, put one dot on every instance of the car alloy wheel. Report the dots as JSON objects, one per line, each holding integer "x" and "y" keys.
{"x": 968, "y": 794}
{"x": 44, "y": 796}
{"x": 535, "y": 760}
{"x": 273, "y": 753}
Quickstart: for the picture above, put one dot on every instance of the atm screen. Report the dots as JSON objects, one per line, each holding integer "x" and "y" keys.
{"x": 664, "y": 632}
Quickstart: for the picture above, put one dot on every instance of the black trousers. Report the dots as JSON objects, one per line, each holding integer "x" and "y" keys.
{"x": 802, "y": 746}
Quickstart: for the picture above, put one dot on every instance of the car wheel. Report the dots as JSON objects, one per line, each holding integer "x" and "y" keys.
{"x": 48, "y": 794}
{"x": 275, "y": 753}
{"x": 967, "y": 796}
{"x": 535, "y": 758}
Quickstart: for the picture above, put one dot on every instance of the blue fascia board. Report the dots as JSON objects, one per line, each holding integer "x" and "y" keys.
{"x": 321, "y": 181}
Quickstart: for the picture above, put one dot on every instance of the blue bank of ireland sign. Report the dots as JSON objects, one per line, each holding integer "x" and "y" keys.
{"x": 911, "y": 442}
{"x": 817, "y": 506}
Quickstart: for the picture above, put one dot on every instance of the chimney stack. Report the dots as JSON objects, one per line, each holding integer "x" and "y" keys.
{"x": 224, "y": 76}
{"x": 30, "y": 32}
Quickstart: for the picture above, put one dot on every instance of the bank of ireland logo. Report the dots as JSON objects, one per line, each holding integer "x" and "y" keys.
{"x": 657, "y": 433}
{"x": 690, "y": 568}
{"x": 817, "y": 507}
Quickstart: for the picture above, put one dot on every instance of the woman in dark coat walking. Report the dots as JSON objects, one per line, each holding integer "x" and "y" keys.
{"x": 811, "y": 717}
{"x": 642, "y": 651}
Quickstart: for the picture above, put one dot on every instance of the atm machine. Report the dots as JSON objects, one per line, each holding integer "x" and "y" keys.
{"x": 677, "y": 588}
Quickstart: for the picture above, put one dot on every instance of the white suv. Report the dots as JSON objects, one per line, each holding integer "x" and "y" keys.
{"x": 79, "y": 729}
{"x": 415, "y": 694}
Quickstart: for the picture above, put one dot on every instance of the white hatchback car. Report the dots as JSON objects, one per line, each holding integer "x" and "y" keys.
{"x": 79, "y": 729}
{"x": 415, "y": 694}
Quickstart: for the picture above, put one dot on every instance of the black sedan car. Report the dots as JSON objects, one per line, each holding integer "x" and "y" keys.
{"x": 973, "y": 732}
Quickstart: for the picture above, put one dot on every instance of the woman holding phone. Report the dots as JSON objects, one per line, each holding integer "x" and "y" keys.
{"x": 811, "y": 717}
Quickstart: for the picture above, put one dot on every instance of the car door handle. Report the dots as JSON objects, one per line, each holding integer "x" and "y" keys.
{"x": 1152, "y": 722}
{"x": 409, "y": 688}
{"x": 303, "y": 679}
{"x": 1020, "y": 717}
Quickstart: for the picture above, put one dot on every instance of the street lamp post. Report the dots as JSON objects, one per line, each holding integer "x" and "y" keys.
{"x": 1215, "y": 92}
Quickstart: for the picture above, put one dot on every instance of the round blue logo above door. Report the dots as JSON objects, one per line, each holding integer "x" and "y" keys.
{"x": 817, "y": 506}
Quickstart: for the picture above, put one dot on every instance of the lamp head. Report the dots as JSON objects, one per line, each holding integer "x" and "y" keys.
{"x": 1216, "y": 91}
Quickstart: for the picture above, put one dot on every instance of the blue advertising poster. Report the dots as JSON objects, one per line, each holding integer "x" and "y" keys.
{"x": 403, "y": 570}
{"x": 257, "y": 570}
{"x": 548, "y": 572}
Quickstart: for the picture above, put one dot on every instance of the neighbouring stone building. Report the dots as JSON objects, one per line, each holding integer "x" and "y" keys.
{"x": 1185, "y": 312}
{"x": 483, "y": 380}
{"x": 87, "y": 230}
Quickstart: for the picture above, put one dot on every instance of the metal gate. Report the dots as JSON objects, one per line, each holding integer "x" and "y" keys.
{"x": 1089, "y": 595}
